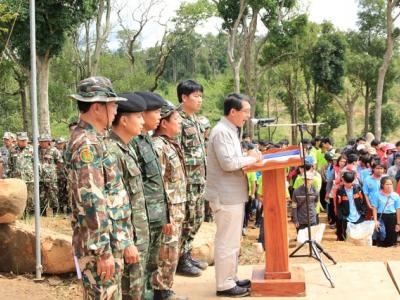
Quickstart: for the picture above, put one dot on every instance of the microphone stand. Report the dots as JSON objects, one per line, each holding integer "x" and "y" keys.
{"x": 314, "y": 248}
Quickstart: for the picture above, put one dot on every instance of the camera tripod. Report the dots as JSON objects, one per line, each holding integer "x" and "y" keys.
{"x": 315, "y": 249}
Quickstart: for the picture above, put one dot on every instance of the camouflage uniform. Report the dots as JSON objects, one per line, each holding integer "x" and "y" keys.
{"x": 50, "y": 159}
{"x": 155, "y": 199}
{"x": 101, "y": 214}
{"x": 20, "y": 165}
{"x": 5, "y": 154}
{"x": 63, "y": 202}
{"x": 192, "y": 142}
{"x": 174, "y": 177}
{"x": 133, "y": 275}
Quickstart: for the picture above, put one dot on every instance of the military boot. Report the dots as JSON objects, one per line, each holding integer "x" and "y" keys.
{"x": 186, "y": 268}
{"x": 164, "y": 295}
{"x": 202, "y": 265}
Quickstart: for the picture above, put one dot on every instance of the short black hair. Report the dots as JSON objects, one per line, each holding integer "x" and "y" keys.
{"x": 384, "y": 179}
{"x": 117, "y": 118}
{"x": 360, "y": 139}
{"x": 375, "y": 142}
{"x": 187, "y": 87}
{"x": 348, "y": 176}
{"x": 352, "y": 158}
{"x": 326, "y": 140}
{"x": 397, "y": 144}
{"x": 377, "y": 163}
{"x": 234, "y": 101}
{"x": 84, "y": 106}
{"x": 72, "y": 124}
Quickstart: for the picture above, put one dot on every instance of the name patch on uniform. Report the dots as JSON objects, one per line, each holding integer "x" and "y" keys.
{"x": 86, "y": 155}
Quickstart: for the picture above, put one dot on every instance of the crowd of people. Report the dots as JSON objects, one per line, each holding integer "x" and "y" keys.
{"x": 356, "y": 183}
{"x": 133, "y": 177}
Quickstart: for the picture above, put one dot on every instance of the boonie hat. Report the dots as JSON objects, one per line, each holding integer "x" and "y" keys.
{"x": 96, "y": 89}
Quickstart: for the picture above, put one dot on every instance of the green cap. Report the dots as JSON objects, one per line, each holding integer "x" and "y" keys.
{"x": 96, "y": 89}
{"x": 167, "y": 109}
{"x": 22, "y": 136}
{"x": 45, "y": 138}
{"x": 60, "y": 140}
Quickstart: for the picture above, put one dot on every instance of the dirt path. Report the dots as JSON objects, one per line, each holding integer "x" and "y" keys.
{"x": 23, "y": 287}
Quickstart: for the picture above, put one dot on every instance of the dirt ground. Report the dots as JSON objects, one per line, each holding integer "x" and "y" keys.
{"x": 23, "y": 287}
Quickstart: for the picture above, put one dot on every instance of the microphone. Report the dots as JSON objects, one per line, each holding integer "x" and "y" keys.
{"x": 262, "y": 121}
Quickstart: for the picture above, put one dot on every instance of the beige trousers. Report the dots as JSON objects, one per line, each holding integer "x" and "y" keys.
{"x": 229, "y": 220}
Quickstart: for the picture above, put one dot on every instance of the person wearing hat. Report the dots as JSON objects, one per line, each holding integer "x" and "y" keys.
{"x": 127, "y": 124}
{"x": 62, "y": 178}
{"x": 8, "y": 140}
{"x": 20, "y": 165}
{"x": 174, "y": 176}
{"x": 49, "y": 159}
{"x": 100, "y": 220}
{"x": 154, "y": 192}
{"x": 299, "y": 207}
{"x": 190, "y": 96}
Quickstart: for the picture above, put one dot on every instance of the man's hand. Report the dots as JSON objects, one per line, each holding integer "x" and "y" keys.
{"x": 167, "y": 229}
{"x": 106, "y": 267}
{"x": 131, "y": 254}
{"x": 255, "y": 154}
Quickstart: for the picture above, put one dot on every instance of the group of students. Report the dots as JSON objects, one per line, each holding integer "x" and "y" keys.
{"x": 353, "y": 184}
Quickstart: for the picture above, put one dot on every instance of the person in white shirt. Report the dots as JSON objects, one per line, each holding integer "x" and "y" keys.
{"x": 227, "y": 191}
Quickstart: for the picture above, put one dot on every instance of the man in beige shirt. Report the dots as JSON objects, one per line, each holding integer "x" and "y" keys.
{"x": 226, "y": 189}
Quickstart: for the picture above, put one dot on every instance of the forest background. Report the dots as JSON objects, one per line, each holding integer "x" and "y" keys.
{"x": 293, "y": 69}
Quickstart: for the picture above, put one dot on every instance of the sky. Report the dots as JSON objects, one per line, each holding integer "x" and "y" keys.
{"x": 342, "y": 13}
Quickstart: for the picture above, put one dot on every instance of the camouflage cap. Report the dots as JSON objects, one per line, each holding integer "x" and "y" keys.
{"x": 167, "y": 109}
{"x": 96, "y": 89}
{"x": 22, "y": 136}
{"x": 61, "y": 140}
{"x": 45, "y": 138}
{"x": 204, "y": 122}
{"x": 8, "y": 135}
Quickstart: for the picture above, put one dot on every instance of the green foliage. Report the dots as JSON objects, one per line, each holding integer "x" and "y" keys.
{"x": 390, "y": 120}
{"x": 54, "y": 20}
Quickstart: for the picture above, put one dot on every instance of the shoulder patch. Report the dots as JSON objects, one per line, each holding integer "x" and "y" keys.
{"x": 86, "y": 155}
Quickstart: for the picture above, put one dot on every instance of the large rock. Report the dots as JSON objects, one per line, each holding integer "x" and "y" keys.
{"x": 203, "y": 244}
{"x": 17, "y": 250}
{"x": 13, "y": 194}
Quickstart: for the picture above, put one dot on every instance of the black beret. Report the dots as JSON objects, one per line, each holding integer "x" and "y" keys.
{"x": 135, "y": 103}
{"x": 153, "y": 101}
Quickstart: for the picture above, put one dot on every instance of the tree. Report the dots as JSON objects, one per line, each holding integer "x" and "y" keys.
{"x": 392, "y": 13}
{"x": 54, "y": 20}
{"x": 323, "y": 71}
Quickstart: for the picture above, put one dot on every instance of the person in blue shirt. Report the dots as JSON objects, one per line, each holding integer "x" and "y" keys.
{"x": 386, "y": 205}
{"x": 372, "y": 182}
{"x": 351, "y": 204}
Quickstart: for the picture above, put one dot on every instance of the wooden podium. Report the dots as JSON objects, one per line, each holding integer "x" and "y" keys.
{"x": 277, "y": 278}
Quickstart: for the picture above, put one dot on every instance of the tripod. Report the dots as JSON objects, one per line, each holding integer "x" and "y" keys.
{"x": 315, "y": 249}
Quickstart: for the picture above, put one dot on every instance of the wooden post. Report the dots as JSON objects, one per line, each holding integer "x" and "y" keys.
{"x": 277, "y": 278}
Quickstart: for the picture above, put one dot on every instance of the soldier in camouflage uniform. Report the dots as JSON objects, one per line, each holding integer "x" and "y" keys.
{"x": 50, "y": 159}
{"x": 20, "y": 165}
{"x": 190, "y": 95}
{"x": 129, "y": 123}
{"x": 101, "y": 217}
{"x": 65, "y": 207}
{"x": 5, "y": 152}
{"x": 156, "y": 201}
{"x": 174, "y": 176}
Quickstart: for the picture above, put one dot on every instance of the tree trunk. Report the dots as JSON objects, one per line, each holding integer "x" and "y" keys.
{"x": 349, "y": 121}
{"x": 43, "y": 63}
{"x": 383, "y": 69}
{"x": 23, "y": 92}
{"x": 101, "y": 34}
{"x": 366, "y": 109}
